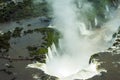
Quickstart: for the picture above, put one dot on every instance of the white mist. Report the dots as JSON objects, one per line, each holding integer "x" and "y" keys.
{"x": 71, "y": 59}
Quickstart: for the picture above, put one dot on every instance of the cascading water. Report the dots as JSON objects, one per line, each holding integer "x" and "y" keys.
{"x": 70, "y": 60}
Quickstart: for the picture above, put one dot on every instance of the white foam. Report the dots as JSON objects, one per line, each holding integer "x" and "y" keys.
{"x": 71, "y": 59}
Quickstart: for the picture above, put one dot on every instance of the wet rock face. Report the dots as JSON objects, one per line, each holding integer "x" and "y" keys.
{"x": 110, "y": 61}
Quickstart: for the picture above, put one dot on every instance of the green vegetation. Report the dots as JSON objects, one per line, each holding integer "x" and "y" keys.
{"x": 100, "y": 5}
{"x": 50, "y": 35}
{"x": 36, "y": 51}
{"x": 40, "y": 9}
{"x": 17, "y": 32}
{"x": 94, "y": 56}
{"x": 10, "y": 11}
{"x": 5, "y": 37}
{"x": 39, "y": 52}
{"x": 99, "y": 10}
{"x": 4, "y": 41}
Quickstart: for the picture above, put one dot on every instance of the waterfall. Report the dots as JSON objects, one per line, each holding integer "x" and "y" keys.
{"x": 70, "y": 60}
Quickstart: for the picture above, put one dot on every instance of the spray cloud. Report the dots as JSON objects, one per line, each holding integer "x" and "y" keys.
{"x": 79, "y": 41}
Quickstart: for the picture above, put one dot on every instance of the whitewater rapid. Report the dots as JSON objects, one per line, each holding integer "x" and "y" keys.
{"x": 79, "y": 41}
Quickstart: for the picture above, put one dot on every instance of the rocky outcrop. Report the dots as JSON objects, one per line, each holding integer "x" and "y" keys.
{"x": 110, "y": 61}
